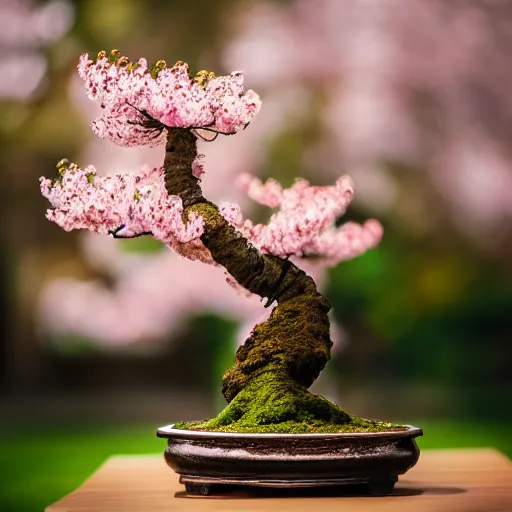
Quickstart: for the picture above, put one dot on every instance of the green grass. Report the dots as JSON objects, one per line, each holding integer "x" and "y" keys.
{"x": 470, "y": 434}
{"x": 40, "y": 465}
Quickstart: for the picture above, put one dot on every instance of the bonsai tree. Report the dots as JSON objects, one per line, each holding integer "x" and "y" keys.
{"x": 267, "y": 387}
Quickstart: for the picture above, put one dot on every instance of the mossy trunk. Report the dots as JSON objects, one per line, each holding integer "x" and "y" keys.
{"x": 284, "y": 355}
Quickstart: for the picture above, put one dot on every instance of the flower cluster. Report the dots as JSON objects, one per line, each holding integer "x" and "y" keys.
{"x": 305, "y": 224}
{"x": 368, "y": 63}
{"x": 140, "y": 102}
{"x": 139, "y": 105}
{"x": 125, "y": 205}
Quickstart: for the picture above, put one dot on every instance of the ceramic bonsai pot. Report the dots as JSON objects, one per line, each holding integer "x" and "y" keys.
{"x": 205, "y": 460}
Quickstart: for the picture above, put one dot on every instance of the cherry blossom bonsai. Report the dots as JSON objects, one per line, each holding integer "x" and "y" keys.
{"x": 267, "y": 388}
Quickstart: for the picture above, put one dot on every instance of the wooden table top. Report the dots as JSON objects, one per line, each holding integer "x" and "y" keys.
{"x": 444, "y": 480}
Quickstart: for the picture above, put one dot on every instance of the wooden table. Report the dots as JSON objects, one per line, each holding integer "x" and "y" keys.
{"x": 444, "y": 480}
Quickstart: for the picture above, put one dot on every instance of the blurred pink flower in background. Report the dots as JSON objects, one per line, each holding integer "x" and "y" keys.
{"x": 26, "y": 28}
{"x": 424, "y": 84}
{"x": 152, "y": 298}
{"x": 416, "y": 82}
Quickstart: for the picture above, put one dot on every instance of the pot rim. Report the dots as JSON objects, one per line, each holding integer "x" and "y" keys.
{"x": 169, "y": 432}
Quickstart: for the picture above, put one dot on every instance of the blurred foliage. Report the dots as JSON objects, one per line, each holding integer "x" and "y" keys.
{"x": 425, "y": 306}
{"x": 438, "y": 320}
{"x": 217, "y": 335}
{"x": 141, "y": 244}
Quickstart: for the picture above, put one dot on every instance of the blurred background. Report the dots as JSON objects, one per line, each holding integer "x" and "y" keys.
{"x": 102, "y": 341}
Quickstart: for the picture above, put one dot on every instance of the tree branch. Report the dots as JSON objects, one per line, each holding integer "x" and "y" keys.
{"x": 296, "y": 336}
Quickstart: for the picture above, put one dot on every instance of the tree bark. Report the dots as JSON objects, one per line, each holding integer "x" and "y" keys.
{"x": 285, "y": 354}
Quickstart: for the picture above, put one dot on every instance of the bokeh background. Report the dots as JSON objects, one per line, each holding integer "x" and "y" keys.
{"x": 102, "y": 341}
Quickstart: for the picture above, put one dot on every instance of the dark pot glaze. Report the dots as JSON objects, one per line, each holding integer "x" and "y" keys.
{"x": 206, "y": 459}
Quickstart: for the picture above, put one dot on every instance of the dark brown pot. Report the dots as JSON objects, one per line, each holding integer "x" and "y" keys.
{"x": 207, "y": 459}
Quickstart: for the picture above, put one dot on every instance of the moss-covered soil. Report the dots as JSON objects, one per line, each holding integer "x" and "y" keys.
{"x": 294, "y": 427}
{"x": 273, "y": 402}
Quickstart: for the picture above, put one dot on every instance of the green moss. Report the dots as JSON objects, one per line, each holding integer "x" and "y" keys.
{"x": 294, "y": 427}
{"x": 295, "y": 339}
{"x": 274, "y": 402}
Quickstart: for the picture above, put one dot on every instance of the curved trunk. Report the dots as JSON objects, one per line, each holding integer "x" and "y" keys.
{"x": 285, "y": 354}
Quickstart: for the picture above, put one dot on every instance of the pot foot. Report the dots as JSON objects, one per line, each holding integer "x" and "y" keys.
{"x": 197, "y": 489}
{"x": 382, "y": 486}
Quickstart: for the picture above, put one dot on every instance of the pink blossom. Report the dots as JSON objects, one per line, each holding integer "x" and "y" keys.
{"x": 305, "y": 222}
{"x": 303, "y": 226}
{"x": 198, "y": 167}
{"x": 269, "y": 193}
{"x": 346, "y": 242}
{"x": 140, "y": 103}
{"x": 126, "y": 205}
{"x": 124, "y": 126}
